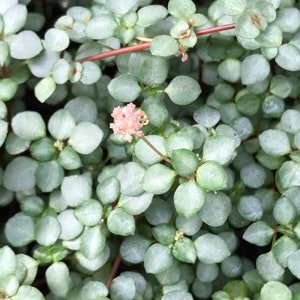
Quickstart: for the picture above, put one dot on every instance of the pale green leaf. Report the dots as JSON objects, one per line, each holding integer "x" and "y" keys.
{"x": 124, "y": 88}
{"x": 188, "y": 199}
{"x": 258, "y": 233}
{"x": 216, "y": 209}
{"x": 27, "y": 292}
{"x": 8, "y": 261}
{"x": 158, "y": 179}
{"x": 49, "y": 176}
{"x": 75, "y": 189}
{"x": 151, "y": 14}
{"x": 268, "y": 267}
{"x": 122, "y": 287}
{"x": 288, "y": 57}
{"x": 101, "y": 27}
{"x": 183, "y": 90}
{"x": 61, "y": 124}
{"x": 19, "y": 174}
{"x": 255, "y": 68}
{"x": 26, "y": 37}
{"x": 211, "y": 248}
{"x": 58, "y": 279}
{"x": 29, "y": 125}
{"x": 275, "y": 290}
{"x": 164, "y": 46}
{"x": 158, "y": 258}
{"x": 274, "y": 142}
{"x": 47, "y": 230}
{"x": 120, "y": 222}
{"x": 44, "y": 89}
{"x": 234, "y": 7}
{"x": 8, "y": 89}
{"x": 181, "y": 9}
{"x": 19, "y": 230}
{"x": 14, "y": 19}
{"x": 56, "y": 40}
{"x": 92, "y": 242}
{"x": 69, "y": 224}
{"x": 85, "y": 137}
{"x": 211, "y": 176}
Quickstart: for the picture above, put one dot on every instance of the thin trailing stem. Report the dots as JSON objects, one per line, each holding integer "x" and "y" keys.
{"x": 143, "y": 46}
{"x": 155, "y": 149}
{"x": 114, "y": 270}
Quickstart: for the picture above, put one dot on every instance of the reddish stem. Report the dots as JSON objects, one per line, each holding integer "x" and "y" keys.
{"x": 114, "y": 270}
{"x": 4, "y": 72}
{"x": 147, "y": 45}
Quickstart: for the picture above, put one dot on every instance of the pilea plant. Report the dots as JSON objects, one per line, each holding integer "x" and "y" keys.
{"x": 150, "y": 149}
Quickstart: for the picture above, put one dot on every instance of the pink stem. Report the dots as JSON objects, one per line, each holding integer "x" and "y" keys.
{"x": 147, "y": 45}
{"x": 114, "y": 270}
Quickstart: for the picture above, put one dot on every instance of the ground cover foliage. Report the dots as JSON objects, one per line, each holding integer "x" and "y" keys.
{"x": 150, "y": 149}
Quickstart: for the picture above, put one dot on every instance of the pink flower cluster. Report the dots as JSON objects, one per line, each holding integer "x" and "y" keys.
{"x": 128, "y": 120}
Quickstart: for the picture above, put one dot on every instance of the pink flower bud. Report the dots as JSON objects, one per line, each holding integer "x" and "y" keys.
{"x": 128, "y": 121}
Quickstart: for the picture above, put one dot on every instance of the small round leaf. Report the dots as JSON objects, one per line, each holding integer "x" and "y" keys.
{"x": 19, "y": 174}
{"x": 211, "y": 176}
{"x": 188, "y": 199}
{"x": 158, "y": 258}
{"x": 184, "y": 161}
{"x": 49, "y": 176}
{"x": 274, "y": 142}
{"x": 150, "y": 15}
{"x": 29, "y": 125}
{"x": 250, "y": 208}
{"x": 26, "y": 37}
{"x": 19, "y": 230}
{"x": 124, "y": 88}
{"x": 253, "y": 175}
{"x": 275, "y": 290}
{"x": 183, "y": 90}
{"x": 58, "y": 279}
{"x": 92, "y": 242}
{"x": 85, "y": 137}
{"x": 287, "y": 175}
{"x": 181, "y": 9}
{"x": 69, "y": 224}
{"x": 290, "y": 121}
{"x": 57, "y": 40}
{"x": 61, "y": 124}
{"x": 8, "y": 89}
{"x": 44, "y": 89}
{"x": 268, "y": 267}
{"x": 75, "y": 189}
{"x": 158, "y": 179}
{"x": 184, "y": 250}
{"x": 8, "y": 261}
{"x": 211, "y": 248}
{"x": 89, "y": 213}
{"x": 90, "y": 73}
{"x": 258, "y": 233}
{"x": 47, "y": 230}
{"x": 122, "y": 287}
{"x": 288, "y": 57}
{"x": 120, "y": 222}
{"x": 133, "y": 249}
{"x": 145, "y": 154}
{"x": 101, "y": 27}
{"x": 26, "y": 292}
{"x": 255, "y": 68}
{"x": 219, "y": 148}
{"x": 164, "y": 46}
{"x": 216, "y": 209}
{"x": 14, "y": 19}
